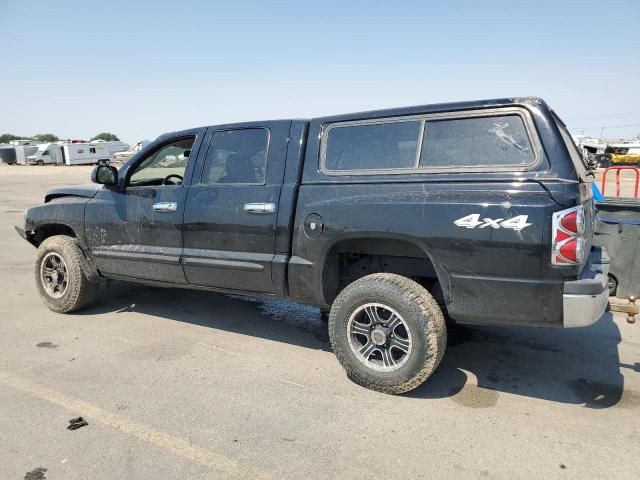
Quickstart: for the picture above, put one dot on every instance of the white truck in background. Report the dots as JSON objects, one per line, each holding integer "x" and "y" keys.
{"x": 47, "y": 153}
{"x": 75, "y": 153}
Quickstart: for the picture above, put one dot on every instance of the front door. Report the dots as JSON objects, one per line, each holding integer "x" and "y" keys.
{"x": 135, "y": 230}
{"x": 231, "y": 208}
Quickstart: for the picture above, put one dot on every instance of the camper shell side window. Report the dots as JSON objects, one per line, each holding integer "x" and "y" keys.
{"x": 485, "y": 140}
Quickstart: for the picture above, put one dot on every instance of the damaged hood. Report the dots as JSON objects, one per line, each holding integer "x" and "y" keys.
{"x": 86, "y": 191}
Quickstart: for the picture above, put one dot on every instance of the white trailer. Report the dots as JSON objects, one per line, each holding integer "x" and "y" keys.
{"x": 89, "y": 153}
{"x": 113, "y": 147}
{"x": 75, "y": 153}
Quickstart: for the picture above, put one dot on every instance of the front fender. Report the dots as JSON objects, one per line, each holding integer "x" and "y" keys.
{"x": 60, "y": 215}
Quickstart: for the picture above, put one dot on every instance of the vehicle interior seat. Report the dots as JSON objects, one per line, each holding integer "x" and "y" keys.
{"x": 237, "y": 170}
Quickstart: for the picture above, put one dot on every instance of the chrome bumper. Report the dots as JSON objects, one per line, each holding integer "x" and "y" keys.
{"x": 585, "y": 301}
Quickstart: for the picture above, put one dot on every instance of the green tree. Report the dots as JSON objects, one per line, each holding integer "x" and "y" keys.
{"x": 7, "y": 137}
{"x": 46, "y": 137}
{"x": 106, "y": 136}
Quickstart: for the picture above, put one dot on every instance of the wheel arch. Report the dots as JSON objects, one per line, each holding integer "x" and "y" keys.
{"x": 41, "y": 232}
{"x": 48, "y": 230}
{"x": 347, "y": 259}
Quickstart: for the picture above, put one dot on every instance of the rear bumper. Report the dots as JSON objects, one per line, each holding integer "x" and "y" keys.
{"x": 585, "y": 301}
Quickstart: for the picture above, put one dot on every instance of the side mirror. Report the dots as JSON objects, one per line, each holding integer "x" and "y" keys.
{"x": 105, "y": 175}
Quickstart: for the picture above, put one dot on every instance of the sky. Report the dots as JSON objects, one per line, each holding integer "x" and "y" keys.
{"x": 139, "y": 69}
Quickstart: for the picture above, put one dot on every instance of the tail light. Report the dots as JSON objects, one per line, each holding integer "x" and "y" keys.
{"x": 567, "y": 240}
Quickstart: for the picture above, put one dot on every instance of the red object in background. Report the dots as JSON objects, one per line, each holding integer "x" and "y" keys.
{"x": 618, "y": 170}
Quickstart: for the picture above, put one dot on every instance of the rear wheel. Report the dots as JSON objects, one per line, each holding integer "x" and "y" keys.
{"x": 388, "y": 333}
{"x": 62, "y": 284}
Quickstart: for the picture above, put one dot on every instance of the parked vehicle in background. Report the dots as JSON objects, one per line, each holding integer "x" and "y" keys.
{"x": 592, "y": 149}
{"x": 7, "y": 154}
{"x": 624, "y": 153}
{"x": 24, "y": 151}
{"x": 47, "y": 153}
{"x": 75, "y": 153}
{"x": 127, "y": 154}
{"x": 17, "y": 151}
{"x": 480, "y": 212}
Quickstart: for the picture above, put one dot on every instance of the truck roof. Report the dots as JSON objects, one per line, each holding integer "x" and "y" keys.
{"x": 439, "y": 107}
{"x": 399, "y": 111}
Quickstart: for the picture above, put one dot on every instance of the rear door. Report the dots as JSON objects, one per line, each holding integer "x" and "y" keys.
{"x": 231, "y": 208}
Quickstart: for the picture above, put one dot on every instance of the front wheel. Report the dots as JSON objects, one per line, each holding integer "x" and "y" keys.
{"x": 388, "y": 332}
{"x": 62, "y": 284}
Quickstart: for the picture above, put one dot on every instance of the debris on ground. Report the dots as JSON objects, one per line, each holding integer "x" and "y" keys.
{"x": 76, "y": 423}
{"x": 36, "y": 474}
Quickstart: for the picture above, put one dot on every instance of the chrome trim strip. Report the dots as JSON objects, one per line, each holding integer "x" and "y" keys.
{"x": 135, "y": 256}
{"x": 227, "y": 264}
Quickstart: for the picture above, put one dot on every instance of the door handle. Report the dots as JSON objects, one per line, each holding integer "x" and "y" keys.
{"x": 165, "y": 207}
{"x": 259, "y": 207}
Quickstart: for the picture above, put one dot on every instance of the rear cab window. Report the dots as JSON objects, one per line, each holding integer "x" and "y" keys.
{"x": 473, "y": 141}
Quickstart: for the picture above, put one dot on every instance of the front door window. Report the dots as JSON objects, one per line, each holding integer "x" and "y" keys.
{"x": 165, "y": 166}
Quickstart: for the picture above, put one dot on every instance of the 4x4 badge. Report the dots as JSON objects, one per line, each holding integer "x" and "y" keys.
{"x": 473, "y": 221}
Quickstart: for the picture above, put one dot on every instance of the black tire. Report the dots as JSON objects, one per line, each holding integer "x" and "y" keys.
{"x": 79, "y": 292}
{"x": 40, "y": 163}
{"x": 419, "y": 312}
{"x": 613, "y": 285}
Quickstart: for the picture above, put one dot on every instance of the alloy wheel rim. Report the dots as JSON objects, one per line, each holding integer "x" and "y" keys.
{"x": 54, "y": 275}
{"x": 379, "y": 337}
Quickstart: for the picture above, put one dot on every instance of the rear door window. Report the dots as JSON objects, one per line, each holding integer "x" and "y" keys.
{"x": 237, "y": 157}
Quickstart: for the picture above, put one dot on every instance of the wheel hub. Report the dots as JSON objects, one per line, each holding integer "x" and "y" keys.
{"x": 54, "y": 275}
{"x": 379, "y": 335}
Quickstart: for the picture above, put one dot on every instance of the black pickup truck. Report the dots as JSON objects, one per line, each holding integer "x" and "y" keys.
{"x": 392, "y": 220}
